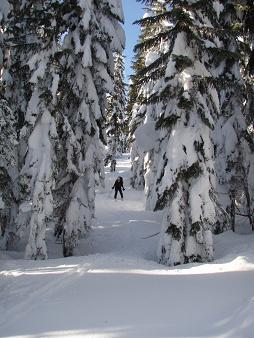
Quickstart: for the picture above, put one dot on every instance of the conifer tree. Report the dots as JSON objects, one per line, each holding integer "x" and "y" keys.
{"x": 246, "y": 42}
{"x": 248, "y": 33}
{"x": 135, "y": 120}
{"x": 60, "y": 68}
{"x": 149, "y": 137}
{"x": 16, "y": 73}
{"x": 189, "y": 106}
{"x": 8, "y": 161}
{"x": 138, "y": 92}
{"x": 233, "y": 153}
{"x": 36, "y": 175}
{"x": 8, "y": 142}
{"x": 93, "y": 33}
{"x": 4, "y": 11}
{"x": 116, "y": 114}
{"x": 19, "y": 43}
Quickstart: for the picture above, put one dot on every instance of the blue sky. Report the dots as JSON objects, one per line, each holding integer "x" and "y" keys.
{"x": 133, "y": 10}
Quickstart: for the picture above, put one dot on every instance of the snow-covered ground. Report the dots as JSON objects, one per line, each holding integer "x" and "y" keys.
{"x": 118, "y": 290}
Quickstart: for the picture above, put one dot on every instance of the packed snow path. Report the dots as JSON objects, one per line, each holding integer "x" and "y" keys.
{"x": 121, "y": 226}
{"x": 117, "y": 289}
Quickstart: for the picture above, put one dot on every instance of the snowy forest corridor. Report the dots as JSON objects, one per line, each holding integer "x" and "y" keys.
{"x": 121, "y": 226}
{"x": 116, "y": 290}
{"x": 79, "y": 87}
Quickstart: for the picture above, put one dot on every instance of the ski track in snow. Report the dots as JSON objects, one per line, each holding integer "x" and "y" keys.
{"x": 122, "y": 225}
{"x": 116, "y": 289}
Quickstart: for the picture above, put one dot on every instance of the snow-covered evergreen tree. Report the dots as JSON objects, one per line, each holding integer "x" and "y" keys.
{"x": 19, "y": 44}
{"x": 246, "y": 45}
{"x": 36, "y": 176}
{"x": 8, "y": 162}
{"x": 146, "y": 134}
{"x": 92, "y": 34}
{"x": 4, "y": 11}
{"x": 248, "y": 32}
{"x": 246, "y": 42}
{"x": 137, "y": 94}
{"x": 59, "y": 69}
{"x": 137, "y": 154}
{"x": 189, "y": 106}
{"x": 8, "y": 144}
{"x": 115, "y": 124}
{"x": 234, "y": 158}
{"x": 16, "y": 74}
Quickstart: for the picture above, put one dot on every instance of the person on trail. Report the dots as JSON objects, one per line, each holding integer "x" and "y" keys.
{"x": 113, "y": 165}
{"x": 118, "y": 185}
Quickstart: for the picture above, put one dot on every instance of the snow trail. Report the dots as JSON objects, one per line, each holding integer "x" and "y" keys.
{"x": 122, "y": 225}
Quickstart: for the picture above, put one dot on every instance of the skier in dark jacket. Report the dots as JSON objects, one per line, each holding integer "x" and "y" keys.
{"x": 118, "y": 187}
